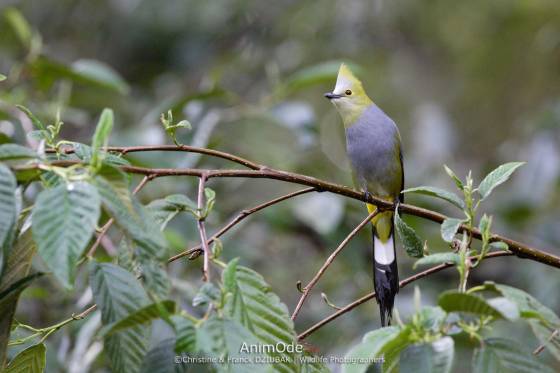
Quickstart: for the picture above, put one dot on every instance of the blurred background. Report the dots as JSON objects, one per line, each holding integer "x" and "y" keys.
{"x": 470, "y": 84}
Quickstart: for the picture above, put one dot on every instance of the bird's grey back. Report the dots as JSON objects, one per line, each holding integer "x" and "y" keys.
{"x": 373, "y": 146}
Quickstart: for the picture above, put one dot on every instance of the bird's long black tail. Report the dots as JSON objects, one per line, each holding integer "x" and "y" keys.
{"x": 385, "y": 275}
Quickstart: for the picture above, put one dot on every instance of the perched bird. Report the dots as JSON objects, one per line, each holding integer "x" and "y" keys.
{"x": 373, "y": 144}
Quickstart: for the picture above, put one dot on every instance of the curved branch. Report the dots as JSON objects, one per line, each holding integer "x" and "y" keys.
{"x": 197, "y": 250}
{"x": 174, "y": 148}
{"x": 518, "y": 248}
{"x": 328, "y": 262}
{"x": 402, "y": 284}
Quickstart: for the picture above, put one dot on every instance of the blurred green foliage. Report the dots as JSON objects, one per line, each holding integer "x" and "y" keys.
{"x": 470, "y": 84}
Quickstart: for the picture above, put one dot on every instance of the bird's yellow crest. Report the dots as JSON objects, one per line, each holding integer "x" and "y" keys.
{"x": 348, "y": 96}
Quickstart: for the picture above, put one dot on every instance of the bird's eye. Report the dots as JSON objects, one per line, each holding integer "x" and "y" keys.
{"x": 348, "y": 92}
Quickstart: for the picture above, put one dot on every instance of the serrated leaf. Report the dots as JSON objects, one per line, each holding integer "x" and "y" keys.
{"x": 129, "y": 214}
{"x": 139, "y": 317}
{"x": 185, "y": 332}
{"x": 84, "y": 152}
{"x": 452, "y": 301}
{"x": 118, "y": 294}
{"x": 410, "y": 240}
{"x": 529, "y": 306}
{"x": 506, "y": 356}
{"x": 64, "y": 219}
{"x": 250, "y": 301}
{"x": 8, "y": 208}
{"x": 449, "y": 228}
{"x": 17, "y": 266}
{"x": 101, "y": 135}
{"x": 438, "y": 258}
{"x": 225, "y": 339}
{"x": 15, "y": 151}
{"x": 435, "y": 357}
{"x": 30, "y": 360}
{"x": 370, "y": 348}
{"x": 505, "y": 306}
{"x": 162, "y": 359}
{"x": 208, "y": 293}
{"x": 497, "y": 177}
{"x": 439, "y": 193}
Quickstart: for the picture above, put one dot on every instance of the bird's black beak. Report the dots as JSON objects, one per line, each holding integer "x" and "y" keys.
{"x": 331, "y": 95}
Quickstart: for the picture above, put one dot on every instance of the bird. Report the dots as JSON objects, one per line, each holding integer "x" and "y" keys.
{"x": 373, "y": 145}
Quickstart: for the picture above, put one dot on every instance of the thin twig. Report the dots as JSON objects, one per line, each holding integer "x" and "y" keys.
{"x": 110, "y": 222}
{"x": 174, "y": 148}
{"x": 541, "y": 348}
{"x": 402, "y": 284}
{"x": 202, "y": 229}
{"x": 194, "y": 252}
{"x": 328, "y": 262}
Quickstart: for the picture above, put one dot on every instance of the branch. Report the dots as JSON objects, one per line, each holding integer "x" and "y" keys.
{"x": 328, "y": 262}
{"x": 541, "y": 348}
{"x": 197, "y": 250}
{"x": 202, "y": 229}
{"x": 519, "y": 249}
{"x": 174, "y": 148}
{"x": 402, "y": 284}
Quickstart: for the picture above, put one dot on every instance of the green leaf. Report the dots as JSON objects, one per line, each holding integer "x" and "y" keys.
{"x": 162, "y": 359}
{"x": 529, "y": 306}
{"x": 392, "y": 349}
{"x": 2, "y": 77}
{"x": 15, "y": 151}
{"x": 506, "y": 356}
{"x": 129, "y": 214}
{"x": 8, "y": 209}
{"x": 370, "y": 348}
{"x": 430, "y": 318}
{"x": 225, "y": 339}
{"x": 210, "y": 200}
{"x": 19, "y": 25}
{"x": 139, "y": 317}
{"x": 208, "y": 293}
{"x": 36, "y": 122}
{"x": 454, "y": 177}
{"x": 185, "y": 335}
{"x": 64, "y": 219}
{"x": 250, "y": 301}
{"x": 497, "y": 177}
{"x": 438, "y": 258}
{"x": 164, "y": 210}
{"x": 410, "y": 240}
{"x": 452, "y": 301}
{"x": 118, "y": 294}
{"x": 17, "y": 266}
{"x": 100, "y": 73}
{"x": 505, "y": 306}
{"x": 449, "y": 228}
{"x": 101, "y": 136}
{"x": 435, "y": 357}
{"x": 30, "y": 360}
{"x": 439, "y": 193}
{"x": 84, "y": 152}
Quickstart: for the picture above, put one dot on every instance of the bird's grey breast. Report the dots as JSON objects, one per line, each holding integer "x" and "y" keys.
{"x": 373, "y": 146}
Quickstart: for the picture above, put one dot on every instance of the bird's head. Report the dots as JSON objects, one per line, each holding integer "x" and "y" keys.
{"x": 348, "y": 95}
